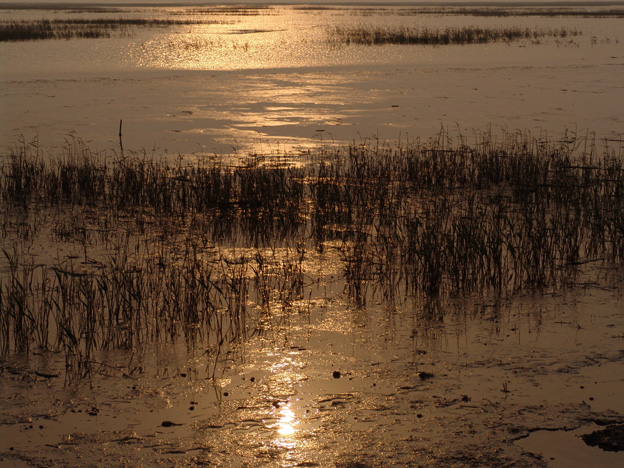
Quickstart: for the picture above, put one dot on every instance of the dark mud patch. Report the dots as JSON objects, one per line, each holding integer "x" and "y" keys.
{"x": 567, "y": 447}
{"x": 610, "y": 439}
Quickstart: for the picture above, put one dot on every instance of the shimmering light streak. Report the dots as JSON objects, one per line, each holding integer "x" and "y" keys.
{"x": 287, "y": 422}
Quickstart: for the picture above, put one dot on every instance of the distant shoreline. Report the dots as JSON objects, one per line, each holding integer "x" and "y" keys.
{"x": 46, "y": 4}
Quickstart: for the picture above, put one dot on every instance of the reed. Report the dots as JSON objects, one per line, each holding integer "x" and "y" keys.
{"x": 497, "y": 11}
{"x": 374, "y": 35}
{"x": 210, "y": 253}
{"x": 80, "y": 28}
{"x": 596, "y": 11}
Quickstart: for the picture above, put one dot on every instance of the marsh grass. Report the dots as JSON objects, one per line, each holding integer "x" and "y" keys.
{"x": 65, "y": 7}
{"x": 234, "y": 10}
{"x": 211, "y": 253}
{"x": 597, "y": 11}
{"x": 81, "y": 28}
{"x": 547, "y": 11}
{"x": 375, "y": 35}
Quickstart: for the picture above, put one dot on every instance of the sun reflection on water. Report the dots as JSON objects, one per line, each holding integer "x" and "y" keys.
{"x": 283, "y": 386}
{"x": 287, "y": 422}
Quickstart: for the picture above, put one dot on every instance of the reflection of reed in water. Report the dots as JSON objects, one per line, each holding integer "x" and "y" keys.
{"x": 211, "y": 253}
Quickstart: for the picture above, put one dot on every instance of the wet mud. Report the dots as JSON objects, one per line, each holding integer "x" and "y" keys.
{"x": 525, "y": 378}
{"x": 330, "y": 389}
{"x": 610, "y": 439}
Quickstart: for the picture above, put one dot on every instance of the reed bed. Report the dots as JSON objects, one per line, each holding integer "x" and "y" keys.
{"x": 80, "y": 28}
{"x": 547, "y": 11}
{"x": 209, "y": 253}
{"x": 65, "y": 7}
{"x": 234, "y": 10}
{"x": 76, "y": 8}
{"x": 375, "y": 35}
{"x": 581, "y": 11}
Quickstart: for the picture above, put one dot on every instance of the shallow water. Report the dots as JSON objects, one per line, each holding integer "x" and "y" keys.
{"x": 566, "y": 449}
{"x": 485, "y": 381}
{"x": 496, "y": 371}
{"x": 272, "y": 81}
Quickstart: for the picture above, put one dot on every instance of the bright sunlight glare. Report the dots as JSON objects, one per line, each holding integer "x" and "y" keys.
{"x": 286, "y": 424}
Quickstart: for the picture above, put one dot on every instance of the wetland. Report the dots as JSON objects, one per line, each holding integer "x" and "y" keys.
{"x": 334, "y": 236}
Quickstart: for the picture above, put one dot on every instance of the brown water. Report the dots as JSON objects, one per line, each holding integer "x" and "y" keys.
{"x": 270, "y": 80}
{"x": 484, "y": 381}
{"x": 325, "y": 384}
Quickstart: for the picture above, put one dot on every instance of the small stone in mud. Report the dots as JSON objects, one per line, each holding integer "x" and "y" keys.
{"x": 192, "y": 408}
{"x": 336, "y": 374}
{"x": 182, "y": 374}
{"x": 610, "y": 439}
{"x": 226, "y": 394}
{"x": 169, "y": 424}
{"x": 253, "y": 379}
{"x": 424, "y": 375}
{"x": 465, "y": 398}
{"x": 419, "y": 415}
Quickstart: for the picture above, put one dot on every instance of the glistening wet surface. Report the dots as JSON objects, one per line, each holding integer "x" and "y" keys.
{"x": 325, "y": 384}
{"x": 272, "y": 80}
{"x": 565, "y": 448}
{"x": 226, "y": 284}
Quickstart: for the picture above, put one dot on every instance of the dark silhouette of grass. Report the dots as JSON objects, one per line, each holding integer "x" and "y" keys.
{"x": 65, "y": 7}
{"x": 587, "y": 10}
{"x": 497, "y": 11}
{"x": 423, "y": 221}
{"x": 79, "y": 28}
{"x": 373, "y": 35}
{"x": 73, "y": 7}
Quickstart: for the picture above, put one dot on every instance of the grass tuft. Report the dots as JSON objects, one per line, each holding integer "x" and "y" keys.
{"x": 374, "y": 35}
{"x": 210, "y": 254}
{"x": 12, "y": 31}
